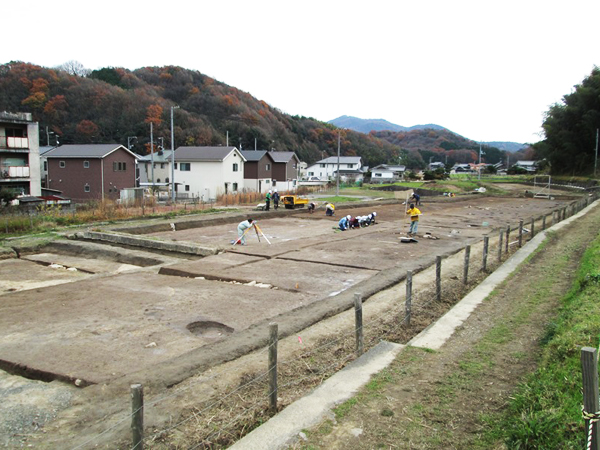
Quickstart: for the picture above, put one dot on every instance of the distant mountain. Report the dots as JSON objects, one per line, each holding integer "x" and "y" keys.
{"x": 507, "y": 146}
{"x": 368, "y": 125}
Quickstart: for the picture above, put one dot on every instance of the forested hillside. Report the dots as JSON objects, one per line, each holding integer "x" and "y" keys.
{"x": 571, "y": 128}
{"x": 111, "y": 104}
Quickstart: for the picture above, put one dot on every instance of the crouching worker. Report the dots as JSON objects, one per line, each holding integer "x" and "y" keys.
{"x": 311, "y": 207}
{"x": 242, "y": 230}
{"x": 344, "y": 223}
{"x": 414, "y": 219}
{"x": 371, "y": 218}
{"x": 354, "y": 222}
{"x": 329, "y": 209}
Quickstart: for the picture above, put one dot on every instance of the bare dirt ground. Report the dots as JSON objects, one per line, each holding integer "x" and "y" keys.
{"x": 442, "y": 399}
{"x": 116, "y": 324}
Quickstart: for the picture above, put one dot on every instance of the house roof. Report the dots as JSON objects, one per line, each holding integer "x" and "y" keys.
{"x": 165, "y": 157}
{"x": 525, "y": 163}
{"x": 86, "y": 151}
{"x": 343, "y": 160}
{"x": 283, "y": 157}
{"x": 389, "y": 167}
{"x": 204, "y": 153}
{"x": 255, "y": 155}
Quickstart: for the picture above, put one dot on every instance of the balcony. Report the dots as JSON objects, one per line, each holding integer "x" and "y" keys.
{"x": 8, "y": 172}
{"x": 14, "y": 143}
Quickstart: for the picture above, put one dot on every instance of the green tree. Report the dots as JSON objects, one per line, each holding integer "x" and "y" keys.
{"x": 570, "y": 128}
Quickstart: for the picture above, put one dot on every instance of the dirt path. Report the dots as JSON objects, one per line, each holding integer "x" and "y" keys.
{"x": 445, "y": 399}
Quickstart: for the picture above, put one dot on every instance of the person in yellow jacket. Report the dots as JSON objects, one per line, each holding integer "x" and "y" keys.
{"x": 414, "y": 219}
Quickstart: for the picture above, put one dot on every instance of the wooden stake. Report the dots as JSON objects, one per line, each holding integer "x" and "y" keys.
{"x": 438, "y": 278}
{"x": 137, "y": 416}
{"x": 589, "y": 373}
{"x": 466, "y": 268}
{"x": 273, "y": 340}
{"x": 358, "y": 325}
{"x": 408, "y": 304}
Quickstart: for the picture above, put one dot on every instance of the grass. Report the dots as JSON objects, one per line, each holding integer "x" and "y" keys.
{"x": 545, "y": 412}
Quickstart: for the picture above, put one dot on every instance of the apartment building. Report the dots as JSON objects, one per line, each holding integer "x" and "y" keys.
{"x": 19, "y": 154}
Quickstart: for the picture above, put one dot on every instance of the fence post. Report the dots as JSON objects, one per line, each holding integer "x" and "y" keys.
{"x": 466, "y": 268}
{"x": 137, "y": 416}
{"x": 520, "y": 233}
{"x": 507, "y": 238}
{"x": 544, "y": 222}
{"x": 500, "y": 247}
{"x": 532, "y": 228}
{"x": 273, "y": 331}
{"x": 589, "y": 373}
{"x": 438, "y": 278}
{"x": 358, "y": 326}
{"x": 486, "y": 244}
{"x": 408, "y": 303}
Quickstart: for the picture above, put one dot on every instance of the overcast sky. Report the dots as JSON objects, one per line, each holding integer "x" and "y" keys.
{"x": 487, "y": 70}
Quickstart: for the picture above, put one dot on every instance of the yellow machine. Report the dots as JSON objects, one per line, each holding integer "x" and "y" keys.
{"x": 293, "y": 201}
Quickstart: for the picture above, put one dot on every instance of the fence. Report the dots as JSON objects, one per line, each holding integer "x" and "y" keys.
{"x": 219, "y": 420}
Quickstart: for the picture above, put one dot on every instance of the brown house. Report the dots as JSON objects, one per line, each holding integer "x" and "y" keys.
{"x": 285, "y": 170}
{"x": 258, "y": 170}
{"x": 91, "y": 171}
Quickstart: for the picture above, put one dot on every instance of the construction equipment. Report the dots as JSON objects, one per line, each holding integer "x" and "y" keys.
{"x": 294, "y": 201}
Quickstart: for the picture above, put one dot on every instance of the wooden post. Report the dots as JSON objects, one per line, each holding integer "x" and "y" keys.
{"x": 507, "y": 238}
{"x": 520, "y": 233}
{"x": 532, "y": 228}
{"x": 544, "y": 222}
{"x": 500, "y": 247}
{"x": 589, "y": 373}
{"x": 358, "y": 326}
{"x": 438, "y": 278}
{"x": 486, "y": 244}
{"x": 466, "y": 268}
{"x": 408, "y": 304}
{"x": 137, "y": 416}
{"x": 273, "y": 331}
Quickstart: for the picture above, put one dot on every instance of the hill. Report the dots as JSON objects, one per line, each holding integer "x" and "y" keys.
{"x": 368, "y": 125}
{"x": 114, "y": 105}
{"x": 111, "y": 104}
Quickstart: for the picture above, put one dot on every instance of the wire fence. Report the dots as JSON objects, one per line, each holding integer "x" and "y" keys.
{"x": 219, "y": 420}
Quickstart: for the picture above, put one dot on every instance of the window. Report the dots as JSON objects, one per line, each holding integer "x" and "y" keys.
{"x": 235, "y": 167}
{"x": 185, "y": 167}
{"x": 86, "y": 188}
{"x": 62, "y": 164}
{"x": 167, "y": 180}
{"x": 187, "y": 187}
{"x": 86, "y": 164}
{"x": 158, "y": 180}
{"x": 162, "y": 165}
{"x": 310, "y": 174}
{"x": 267, "y": 181}
{"x": 235, "y": 187}
{"x": 268, "y": 167}
{"x": 175, "y": 166}
{"x": 45, "y": 166}
{"x": 350, "y": 166}
{"x": 322, "y": 165}
{"x": 119, "y": 166}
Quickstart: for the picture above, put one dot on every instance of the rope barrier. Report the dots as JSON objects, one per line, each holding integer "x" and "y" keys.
{"x": 593, "y": 418}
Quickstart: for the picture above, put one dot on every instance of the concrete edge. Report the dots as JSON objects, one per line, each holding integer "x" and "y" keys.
{"x": 313, "y": 408}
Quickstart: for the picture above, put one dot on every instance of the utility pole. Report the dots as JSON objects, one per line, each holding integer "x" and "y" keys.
{"x": 152, "y": 154}
{"x": 479, "y": 166}
{"x": 337, "y": 187}
{"x": 596, "y": 159}
{"x": 173, "y": 156}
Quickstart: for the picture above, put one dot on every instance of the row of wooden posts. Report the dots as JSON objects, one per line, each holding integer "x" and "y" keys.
{"x": 137, "y": 395}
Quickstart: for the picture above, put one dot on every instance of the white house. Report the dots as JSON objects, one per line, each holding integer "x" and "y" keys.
{"x": 387, "y": 173}
{"x": 327, "y": 168}
{"x": 529, "y": 166}
{"x": 208, "y": 172}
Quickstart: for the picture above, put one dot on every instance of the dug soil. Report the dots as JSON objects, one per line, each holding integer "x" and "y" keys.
{"x": 447, "y": 398}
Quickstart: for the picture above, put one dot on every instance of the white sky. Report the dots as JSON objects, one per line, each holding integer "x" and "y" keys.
{"x": 487, "y": 70}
